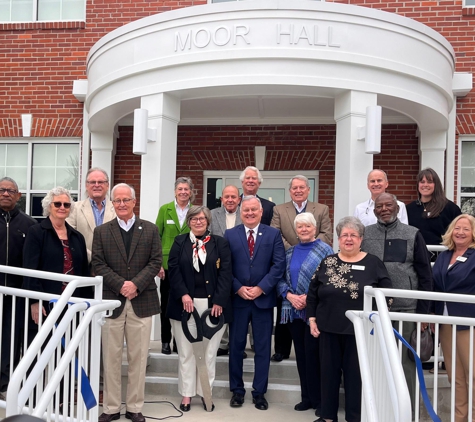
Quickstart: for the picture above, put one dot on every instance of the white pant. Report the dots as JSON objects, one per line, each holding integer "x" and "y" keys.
{"x": 187, "y": 370}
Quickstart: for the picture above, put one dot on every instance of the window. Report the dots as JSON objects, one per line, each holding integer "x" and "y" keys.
{"x": 227, "y": 1}
{"x": 42, "y": 10}
{"x": 467, "y": 177}
{"x": 38, "y": 167}
{"x": 275, "y": 186}
{"x": 469, "y": 3}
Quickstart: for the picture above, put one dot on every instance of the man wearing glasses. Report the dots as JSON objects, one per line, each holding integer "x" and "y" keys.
{"x": 127, "y": 253}
{"x": 14, "y": 225}
{"x": 97, "y": 209}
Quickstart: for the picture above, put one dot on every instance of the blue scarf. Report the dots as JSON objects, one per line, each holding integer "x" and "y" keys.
{"x": 317, "y": 253}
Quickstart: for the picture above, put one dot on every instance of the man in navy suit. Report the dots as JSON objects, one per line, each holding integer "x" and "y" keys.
{"x": 258, "y": 258}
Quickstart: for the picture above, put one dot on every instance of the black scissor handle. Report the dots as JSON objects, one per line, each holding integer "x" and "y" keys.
{"x": 202, "y": 327}
{"x": 186, "y": 330}
{"x": 210, "y": 330}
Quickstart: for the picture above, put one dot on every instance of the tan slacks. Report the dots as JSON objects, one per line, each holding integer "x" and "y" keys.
{"x": 136, "y": 332}
{"x": 462, "y": 368}
{"x": 188, "y": 379}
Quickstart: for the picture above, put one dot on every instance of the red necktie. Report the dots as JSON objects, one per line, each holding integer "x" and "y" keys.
{"x": 250, "y": 242}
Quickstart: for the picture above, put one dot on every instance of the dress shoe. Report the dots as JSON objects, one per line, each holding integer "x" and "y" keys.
{"x": 323, "y": 420}
{"x": 278, "y": 357}
{"x": 260, "y": 402}
{"x": 318, "y": 411}
{"x": 204, "y": 404}
{"x": 237, "y": 400}
{"x": 244, "y": 355}
{"x": 302, "y": 406}
{"x": 135, "y": 417}
{"x": 166, "y": 349}
{"x": 222, "y": 352}
{"x": 108, "y": 418}
{"x": 185, "y": 407}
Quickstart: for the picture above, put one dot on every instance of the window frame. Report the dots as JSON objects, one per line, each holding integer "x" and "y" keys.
{"x": 34, "y": 17}
{"x": 28, "y": 192}
{"x": 460, "y": 194}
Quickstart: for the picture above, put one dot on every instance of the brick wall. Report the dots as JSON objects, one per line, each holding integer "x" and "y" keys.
{"x": 288, "y": 148}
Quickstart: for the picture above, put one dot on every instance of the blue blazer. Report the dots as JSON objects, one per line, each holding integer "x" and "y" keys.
{"x": 460, "y": 278}
{"x": 265, "y": 269}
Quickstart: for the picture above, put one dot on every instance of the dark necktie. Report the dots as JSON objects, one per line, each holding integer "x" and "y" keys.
{"x": 250, "y": 242}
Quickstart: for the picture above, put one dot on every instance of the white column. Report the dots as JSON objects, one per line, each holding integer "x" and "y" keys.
{"x": 352, "y": 164}
{"x": 450, "y": 155}
{"x": 433, "y": 144}
{"x": 159, "y": 164}
{"x": 103, "y": 151}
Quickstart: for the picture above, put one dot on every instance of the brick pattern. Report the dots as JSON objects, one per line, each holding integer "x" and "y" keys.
{"x": 287, "y": 148}
{"x": 57, "y": 128}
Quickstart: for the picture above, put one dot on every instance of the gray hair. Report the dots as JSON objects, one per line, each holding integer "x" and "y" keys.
{"x": 9, "y": 179}
{"x": 198, "y": 209}
{"x": 259, "y": 175}
{"x": 48, "y": 199}
{"x": 299, "y": 177}
{"x": 306, "y": 218}
{"x": 248, "y": 198}
{"x": 186, "y": 180}
{"x": 352, "y": 223}
{"x": 93, "y": 169}
{"x": 123, "y": 185}
{"x": 384, "y": 173}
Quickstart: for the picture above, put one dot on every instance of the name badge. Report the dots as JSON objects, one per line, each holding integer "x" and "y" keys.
{"x": 170, "y": 222}
{"x": 358, "y": 267}
{"x": 461, "y": 258}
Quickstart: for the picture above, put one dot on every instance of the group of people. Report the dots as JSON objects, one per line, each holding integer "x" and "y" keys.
{"x": 240, "y": 261}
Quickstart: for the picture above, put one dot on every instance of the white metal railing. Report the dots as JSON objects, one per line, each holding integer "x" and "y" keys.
{"x": 68, "y": 340}
{"x": 385, "y": 393}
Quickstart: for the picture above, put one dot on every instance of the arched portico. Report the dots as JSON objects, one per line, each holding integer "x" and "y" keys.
{"x": 308, "y": 53}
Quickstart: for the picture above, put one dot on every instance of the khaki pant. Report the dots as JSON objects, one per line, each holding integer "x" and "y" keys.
{"x": 136, "y": 332}
{"x": 462, "y": 368}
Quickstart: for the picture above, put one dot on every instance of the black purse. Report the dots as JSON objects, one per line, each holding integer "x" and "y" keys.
{"x": 427, "y": 344}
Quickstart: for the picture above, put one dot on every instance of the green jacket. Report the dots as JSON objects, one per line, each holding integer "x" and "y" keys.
{"x": 169, "y": 228}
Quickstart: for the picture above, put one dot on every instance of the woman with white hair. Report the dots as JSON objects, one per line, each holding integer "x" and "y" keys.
{"x": 53, "y": 245}
{"x": 302, "y": 261}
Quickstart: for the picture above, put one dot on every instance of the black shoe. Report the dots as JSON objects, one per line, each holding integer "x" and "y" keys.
{"x": 318, "y": 411}
{"x": 237, "y": 400}
{"x": 175, "y": 350}
{"x": 108, "y": 418}
{"x": 185, "y": 407}
{"x": 278, "y": 357}
{"x": 302, "y": 406}
{"x": 244, "y": 355}
{"x": 135, "y": 417}
{"x": 204, "y": 405}
{"x": 260, "y": 402}
{"x": 166, "y": 349}
{"x": 222, "y": 352}
{"x": 323, "y": 420}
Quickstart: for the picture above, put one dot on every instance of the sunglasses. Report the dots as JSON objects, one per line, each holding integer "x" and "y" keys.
{"x": 66, "y": 205}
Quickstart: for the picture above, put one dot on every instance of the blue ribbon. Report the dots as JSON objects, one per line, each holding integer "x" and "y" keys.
{"x": 86, "y": 389}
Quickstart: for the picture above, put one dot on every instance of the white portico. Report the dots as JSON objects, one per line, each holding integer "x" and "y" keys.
{"x": 290, "y": 62}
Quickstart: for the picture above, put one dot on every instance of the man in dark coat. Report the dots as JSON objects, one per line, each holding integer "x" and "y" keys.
{"x": 14, "y": 225}
{"x": 127, "y": 253}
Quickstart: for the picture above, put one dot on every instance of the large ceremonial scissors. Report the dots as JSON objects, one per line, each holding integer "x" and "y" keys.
{"x": 205, "y": 330}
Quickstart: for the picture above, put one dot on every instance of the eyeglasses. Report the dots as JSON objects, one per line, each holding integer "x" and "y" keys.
{"x": 349, "y": 236}
{"x": 58, "y": 204}
{"x": 97, "y": 182}
{"x": 196, "y": 219}
{"x": 9, "y": 191}
{"x": 120, "y": 201}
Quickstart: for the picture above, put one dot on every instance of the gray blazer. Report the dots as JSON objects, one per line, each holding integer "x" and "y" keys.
{"x": 218, "y": 220}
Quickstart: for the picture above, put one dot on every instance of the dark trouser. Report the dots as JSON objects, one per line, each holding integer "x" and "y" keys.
{"x": 307, "y": 355}
{"x": 261, "y": 322}
{"x": 165, "y": 325}
{"x": 9, "y": 362}
{"x": 338, "y": 353}
{"x": 282, "y": 336}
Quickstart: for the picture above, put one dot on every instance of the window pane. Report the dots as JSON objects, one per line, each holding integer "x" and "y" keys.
{"x": 13, "y": 163}
{"x": 468, "y": 206}
{"x": 22, "y": 10}
{"x": 17, "y": 155}
{"x": 469, "y": 2}
{"x": 68, "y": 155}
{"x": 43, "y": 178}
{"x": 49, "y": 10}
{"x": 44, "y": 155}
{"x": 67, "y": 179}
{"x": 73, "y": 10}
{"x": 467, "y": 171}
{"x": 5, "y": 10}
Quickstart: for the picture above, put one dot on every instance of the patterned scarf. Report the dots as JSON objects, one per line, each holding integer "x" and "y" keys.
{"x": 199, "y": 249}
{"x": 310, "y": 264}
